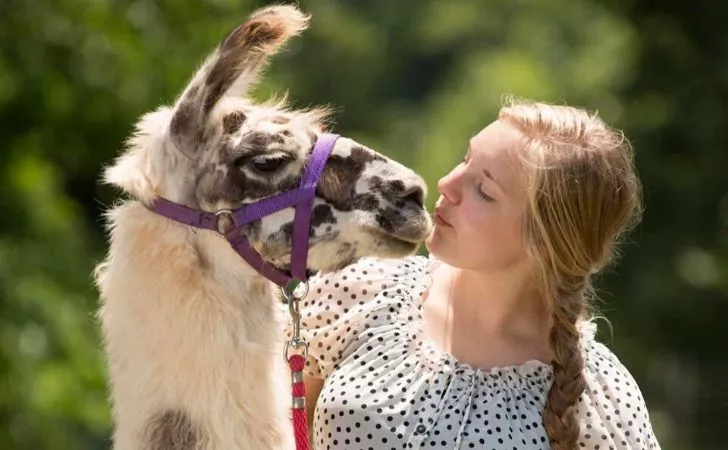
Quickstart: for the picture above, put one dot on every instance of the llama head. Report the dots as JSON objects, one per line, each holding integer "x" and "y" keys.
{"x": 215, "y": 149}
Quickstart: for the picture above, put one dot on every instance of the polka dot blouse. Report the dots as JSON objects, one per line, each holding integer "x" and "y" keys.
{"x": 388, "y": 387}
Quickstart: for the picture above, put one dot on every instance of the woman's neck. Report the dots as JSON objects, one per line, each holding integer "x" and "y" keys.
{"x": 487, "y": 319}
{"x": 503, "y": 302}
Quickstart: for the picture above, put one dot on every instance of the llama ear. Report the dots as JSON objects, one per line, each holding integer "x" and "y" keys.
{"x": 232, "y": 69}
{"x": 137, "y": 171}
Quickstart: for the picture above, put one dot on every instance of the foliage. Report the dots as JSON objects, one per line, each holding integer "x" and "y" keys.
{"x": 413, "y": 79}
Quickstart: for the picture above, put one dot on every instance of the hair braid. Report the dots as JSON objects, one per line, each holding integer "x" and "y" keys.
{"x": 559, "y": 417}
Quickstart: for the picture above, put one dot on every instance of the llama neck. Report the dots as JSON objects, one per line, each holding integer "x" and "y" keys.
{"x": 189, "y": 327}
{"x": 193, "y": 278}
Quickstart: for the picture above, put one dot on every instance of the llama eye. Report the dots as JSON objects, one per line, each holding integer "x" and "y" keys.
{"x": 267, "y": 164}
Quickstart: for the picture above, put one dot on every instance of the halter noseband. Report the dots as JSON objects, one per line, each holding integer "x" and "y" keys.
{"x": 301, "y": 198}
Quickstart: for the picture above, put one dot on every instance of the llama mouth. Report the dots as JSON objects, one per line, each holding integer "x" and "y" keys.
{"x": 394, "y": 237}
{"x": 395, "y": 244}
{"x": 412, "y": 230}
{"x": 406, "y": 239}
{"x": 416, "y": 234}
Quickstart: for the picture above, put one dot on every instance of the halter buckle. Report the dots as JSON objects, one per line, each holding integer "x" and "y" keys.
{"x": 218, "y": 215}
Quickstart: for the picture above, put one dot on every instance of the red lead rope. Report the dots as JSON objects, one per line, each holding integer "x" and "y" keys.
{"x": 296, "y": 362}
{"x": 298, "y": 407}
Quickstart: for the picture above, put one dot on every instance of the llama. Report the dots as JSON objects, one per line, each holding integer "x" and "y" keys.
{"x": 192, "y": 333}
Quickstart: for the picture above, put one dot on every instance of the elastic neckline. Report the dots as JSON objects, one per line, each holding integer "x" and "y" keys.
{"x": 529, "y": 373}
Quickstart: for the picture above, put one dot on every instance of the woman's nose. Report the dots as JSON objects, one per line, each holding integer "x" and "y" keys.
{"x": 447, "y": 186}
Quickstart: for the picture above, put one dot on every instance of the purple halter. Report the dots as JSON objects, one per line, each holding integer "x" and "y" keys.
{"x": 301, "y": 198}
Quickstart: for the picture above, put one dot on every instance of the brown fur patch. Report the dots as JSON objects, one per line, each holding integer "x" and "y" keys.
{"x": 233, "y": 121}
{"x": 259, "y": 141}
{"x": 258, "y": 32}
{"x": 172, "y": 430}
{"x": 341, "y": 174}
{"x": 366, "y": 202}
{"x": 390, "y": 219}
{"x": 246, "y": 48}
{"x": 397, "y": 189}
{"x": 218, "y": 81}
{"x": 186, "y": 129}
{"x": 394, "y": 187}
{"x": 322, "y": 214}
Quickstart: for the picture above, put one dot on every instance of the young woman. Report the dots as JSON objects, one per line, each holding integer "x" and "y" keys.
{"x": 488, "y": 342}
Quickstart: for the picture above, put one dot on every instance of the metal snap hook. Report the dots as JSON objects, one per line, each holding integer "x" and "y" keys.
{"x": 295, "y": 343}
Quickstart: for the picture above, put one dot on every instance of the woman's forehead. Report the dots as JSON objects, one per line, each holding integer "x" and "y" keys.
{"x": 492, "y": 150}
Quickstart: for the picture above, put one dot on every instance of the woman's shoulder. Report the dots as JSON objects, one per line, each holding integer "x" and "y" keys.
{"x": 370, "y": 270}
{"x": 369, "y": 280}
{"x": 365, "y": 295}
{"x": 612, "y": 405}
{"x": 381, "y": 267}
{"x": 602, "y": 364}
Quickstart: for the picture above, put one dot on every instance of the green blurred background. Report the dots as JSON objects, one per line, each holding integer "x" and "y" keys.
{"x": 413, "y": 79}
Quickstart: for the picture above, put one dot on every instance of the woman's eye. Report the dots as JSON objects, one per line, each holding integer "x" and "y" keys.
{"x": 485, "y": 196}
{"x": 262, "y": 164}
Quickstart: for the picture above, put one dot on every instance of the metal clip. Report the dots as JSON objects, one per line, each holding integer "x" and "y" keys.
{"x": 293, "y": 294}
{"x": 295, "y": 343}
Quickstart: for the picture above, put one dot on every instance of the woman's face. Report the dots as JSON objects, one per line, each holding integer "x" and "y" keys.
{"x": 479, "y": 215}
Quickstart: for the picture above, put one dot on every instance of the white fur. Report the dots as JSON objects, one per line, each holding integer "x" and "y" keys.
{"x": 141, "y": 170}
{"x": 201, "y": 340}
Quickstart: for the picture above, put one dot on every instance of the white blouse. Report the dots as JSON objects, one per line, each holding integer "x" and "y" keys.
{"x": 387, "y": 386}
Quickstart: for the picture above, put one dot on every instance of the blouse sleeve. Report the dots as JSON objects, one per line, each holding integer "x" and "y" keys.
{"x": 341, "y": 305}
{"x": 612, "y": 411}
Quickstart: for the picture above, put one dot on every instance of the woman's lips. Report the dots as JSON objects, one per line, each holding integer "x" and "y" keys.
{"x": 439, "y": 219}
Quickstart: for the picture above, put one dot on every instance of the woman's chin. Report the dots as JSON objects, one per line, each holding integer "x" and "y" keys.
{"x": 436, "y": 236}
{"x": 434, "y": 243}
{"x": 445, "y": 249}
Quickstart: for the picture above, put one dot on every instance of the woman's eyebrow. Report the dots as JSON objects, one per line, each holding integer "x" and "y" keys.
{"x": 490, "y": 175}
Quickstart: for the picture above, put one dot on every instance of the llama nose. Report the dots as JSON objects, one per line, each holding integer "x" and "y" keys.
{"x": 414, "y": 193}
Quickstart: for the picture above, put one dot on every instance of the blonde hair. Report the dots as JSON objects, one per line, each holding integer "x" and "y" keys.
{"x": 583, "y": 194}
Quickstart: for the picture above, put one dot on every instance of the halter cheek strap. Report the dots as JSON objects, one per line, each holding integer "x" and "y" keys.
{"x": 301, "y": 198}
